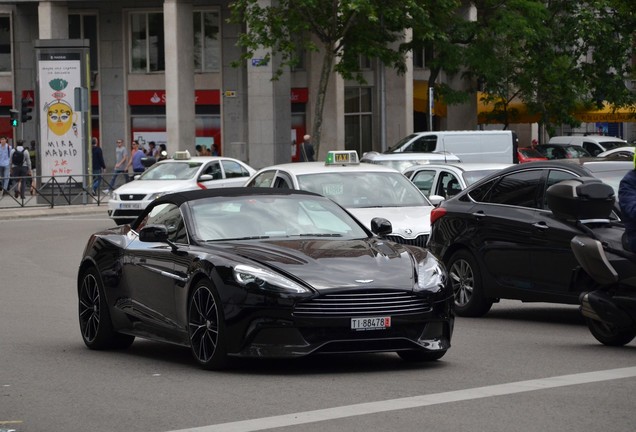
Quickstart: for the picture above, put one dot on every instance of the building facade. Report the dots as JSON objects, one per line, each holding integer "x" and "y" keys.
{"x": 161, "y": 70}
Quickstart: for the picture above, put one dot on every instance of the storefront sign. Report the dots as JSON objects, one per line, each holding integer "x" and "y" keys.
{"x": 158, "y": 97}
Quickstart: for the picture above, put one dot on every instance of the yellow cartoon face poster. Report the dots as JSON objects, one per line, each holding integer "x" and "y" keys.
{"x": 61, "y": 134}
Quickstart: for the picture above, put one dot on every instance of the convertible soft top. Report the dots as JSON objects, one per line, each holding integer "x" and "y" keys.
{"x": 179, "y": 198}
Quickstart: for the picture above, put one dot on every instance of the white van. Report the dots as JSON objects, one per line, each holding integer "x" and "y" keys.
{"x": 594, "y": 144}
{"x": 469, "y": 146}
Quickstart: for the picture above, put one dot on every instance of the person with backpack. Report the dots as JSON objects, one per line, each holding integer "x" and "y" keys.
{"x": 20, "y": 168}
{"x": 5, "y": 164}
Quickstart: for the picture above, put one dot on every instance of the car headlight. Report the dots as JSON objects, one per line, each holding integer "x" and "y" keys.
{"x": 156, "y": 195}
{"x": 114, "y": 196}
{"x": 431, "y": 276}
{"x": 266, "y": 280}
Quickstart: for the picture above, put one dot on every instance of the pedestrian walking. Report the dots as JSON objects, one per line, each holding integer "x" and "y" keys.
{"x": 5, "y": 164}
{"x": 98, "y": 164}
{"x": 135, "y": 159}
{"x": 121, "y": 164}
{"x": 306, "y": 149}
{"x": 20, "y": 168}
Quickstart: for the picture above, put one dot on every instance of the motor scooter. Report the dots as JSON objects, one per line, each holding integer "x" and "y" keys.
{"x": 607, "y": 272}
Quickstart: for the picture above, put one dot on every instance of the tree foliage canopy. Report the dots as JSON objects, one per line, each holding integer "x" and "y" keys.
{"x": 556, "y": 56}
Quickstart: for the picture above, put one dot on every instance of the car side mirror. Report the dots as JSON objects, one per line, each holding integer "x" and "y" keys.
{"x": 381, "y": 226}
{"x": 436, "y": 199}
{"x": 206, "y": 177}
{"x": 154, "y": 233}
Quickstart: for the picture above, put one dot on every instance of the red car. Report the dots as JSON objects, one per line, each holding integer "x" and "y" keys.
{"x": 528, "y": 154}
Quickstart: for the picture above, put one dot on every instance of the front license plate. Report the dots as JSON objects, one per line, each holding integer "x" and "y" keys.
{"x": 135, "y": 206}
{"x": 371, "y": 323}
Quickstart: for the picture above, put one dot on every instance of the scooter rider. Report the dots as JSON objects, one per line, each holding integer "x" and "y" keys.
{"x": 627, "y": 202}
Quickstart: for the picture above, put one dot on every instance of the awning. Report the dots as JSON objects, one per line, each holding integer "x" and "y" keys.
{"x": 420, "y": 100}
{"x": 607, "y": 114}
{"x": 518, "y": 113}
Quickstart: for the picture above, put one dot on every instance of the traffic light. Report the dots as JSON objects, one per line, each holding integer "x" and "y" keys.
{"x": 14, "y": 117}
{"x": 25, "y": 110}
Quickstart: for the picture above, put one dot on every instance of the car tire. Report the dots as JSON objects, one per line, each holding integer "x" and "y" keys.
{"x": 94, "y": 317}
{"x": 206, "y": 327}
{"x": 468, "y": 289}
{"x": 608, "y": 334}
{"x": 421, "y": 356}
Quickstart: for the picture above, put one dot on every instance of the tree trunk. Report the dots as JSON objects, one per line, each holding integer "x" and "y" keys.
{"x": 325, "y": 74}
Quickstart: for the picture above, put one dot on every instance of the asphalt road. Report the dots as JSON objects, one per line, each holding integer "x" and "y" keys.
{"x": 523, "y": 367}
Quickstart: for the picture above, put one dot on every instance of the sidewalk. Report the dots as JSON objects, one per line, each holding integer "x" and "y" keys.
{"x": 10, "y": 209}
{"x": 30, "y": 212}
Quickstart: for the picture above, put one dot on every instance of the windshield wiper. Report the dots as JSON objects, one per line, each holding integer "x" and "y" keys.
{"x": 319, "y": 235}
{"x": 238, "y": 238}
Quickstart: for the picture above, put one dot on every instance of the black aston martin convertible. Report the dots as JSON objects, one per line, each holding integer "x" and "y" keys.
{"x": 258, "y": 272}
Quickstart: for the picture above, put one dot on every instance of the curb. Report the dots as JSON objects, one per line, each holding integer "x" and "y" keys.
{"x": 30, "y": 212}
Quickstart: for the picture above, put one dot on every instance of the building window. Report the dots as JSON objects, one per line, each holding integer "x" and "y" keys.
{"x": 300, "y": 54}
{"x": 418, "y": 58}
{"x": 207, "y": 47}
{"x": 364, "y": 62}
{"x": 147, "y": 42}
{"x": 5, "y": 44}
{"x": 358, "y": 119}
{"x": 84, "y": 26}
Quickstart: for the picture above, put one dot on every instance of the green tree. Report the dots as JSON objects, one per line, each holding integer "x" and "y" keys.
{"x": 445, "y": 37}
{"x": 341, "y": 31}
{"x": 557, "y": 57}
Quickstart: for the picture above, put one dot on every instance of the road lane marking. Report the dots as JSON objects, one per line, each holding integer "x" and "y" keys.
{"x": 415, "y": 401}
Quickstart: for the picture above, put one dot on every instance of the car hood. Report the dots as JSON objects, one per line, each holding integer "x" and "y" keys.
{"x": 333, "y": 264}
{"x": 407, "y": 222}
{"x": 152, "y": 186}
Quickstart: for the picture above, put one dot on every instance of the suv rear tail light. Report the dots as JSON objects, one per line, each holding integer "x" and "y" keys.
{"x": 437, "y": 213}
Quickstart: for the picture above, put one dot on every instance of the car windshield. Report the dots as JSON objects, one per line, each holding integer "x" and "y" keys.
{"x": 400, "y": 143}
{"x": 471, "y": 177}
{"x": 358, "y": 189}
{"x": 576, "y": 152}
{"x": 530, "y": 153}
{"x": 171, "y": 171}
{"x": 269, "y": 216}
{"x": 608, "y": 145}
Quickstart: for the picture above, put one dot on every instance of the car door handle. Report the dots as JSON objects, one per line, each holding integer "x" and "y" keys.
{"x": 540, "y": 225}
{"x": 479, "y": 214}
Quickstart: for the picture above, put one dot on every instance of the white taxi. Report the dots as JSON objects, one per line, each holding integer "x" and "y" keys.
{"x": 365, "y": 190}
{"x": 181, "y": 173}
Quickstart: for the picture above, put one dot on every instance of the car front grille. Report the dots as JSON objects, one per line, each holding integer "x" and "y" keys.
{"x": 129, "y": 213}
{"x": 417, "y": 241}
{"x": 131, "y": 197}
{"x": 367, "y": 303}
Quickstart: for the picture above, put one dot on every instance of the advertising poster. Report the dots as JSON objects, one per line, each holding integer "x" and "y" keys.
{"x": 62, "y": 148}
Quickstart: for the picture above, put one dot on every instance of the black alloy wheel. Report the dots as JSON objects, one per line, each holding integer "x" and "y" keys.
{"x": 468, "y": 290}
{"x": 94, "y": 318}
{"x": 206, "y": 327}
{"x": 608, "y": 334}
{"x": 421, "y": 356}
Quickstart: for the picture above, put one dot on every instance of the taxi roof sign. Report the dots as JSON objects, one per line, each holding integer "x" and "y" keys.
{"x": 181, "y": 155}
{"x": 342, "y": 157}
